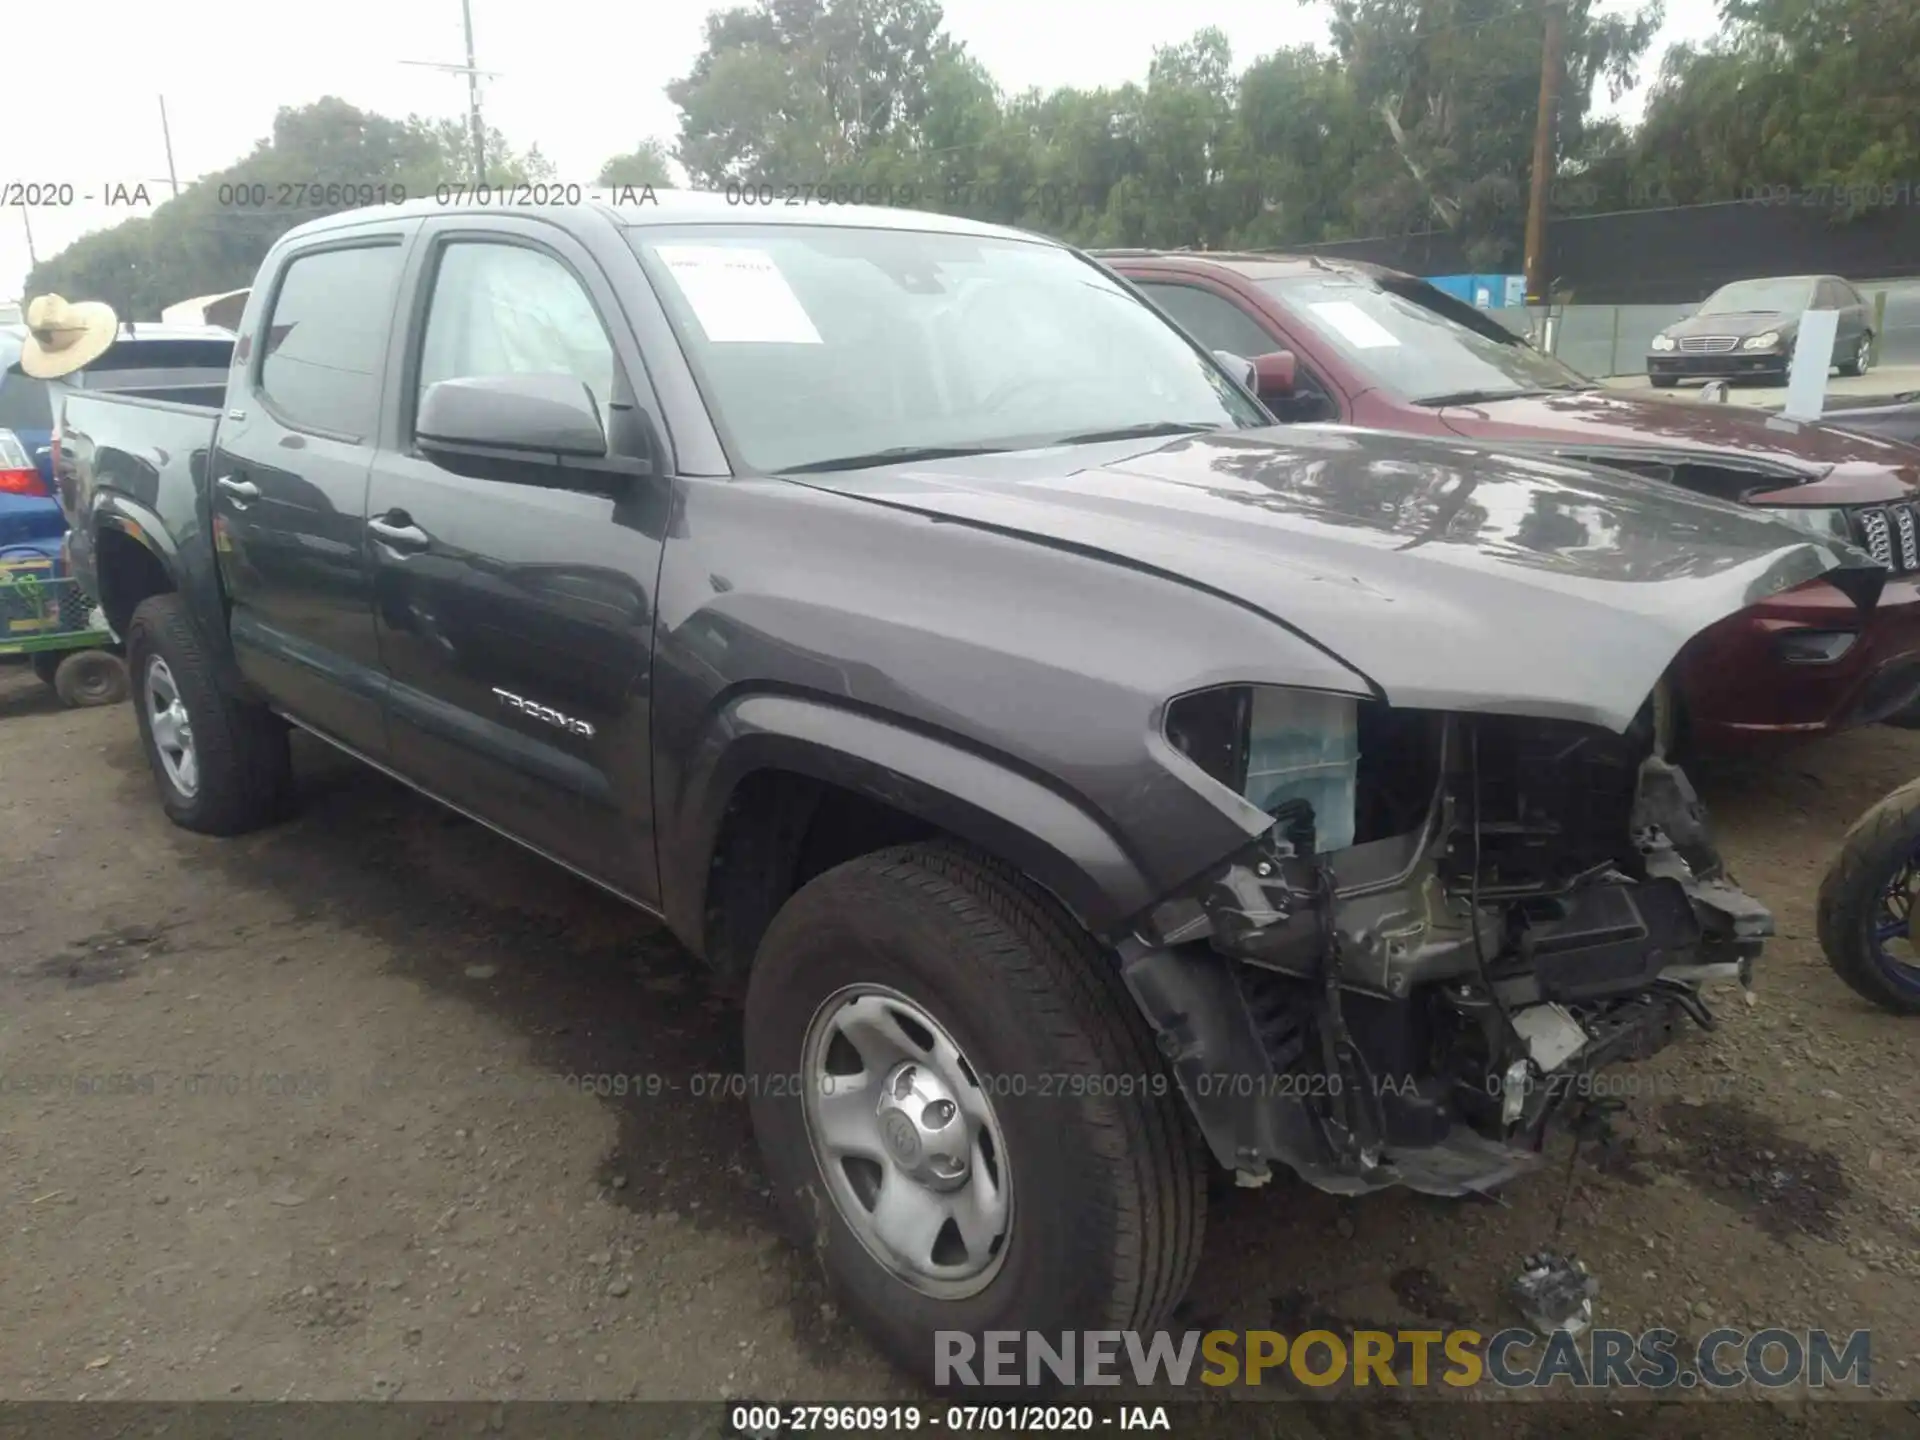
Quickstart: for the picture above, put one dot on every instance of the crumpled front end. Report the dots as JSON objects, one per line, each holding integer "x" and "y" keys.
{"x": 1525, "y": 902}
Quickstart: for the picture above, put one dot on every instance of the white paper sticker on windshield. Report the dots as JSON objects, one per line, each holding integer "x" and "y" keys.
{"x": 738, "y": 296}
{"x": 1354, "y": 325}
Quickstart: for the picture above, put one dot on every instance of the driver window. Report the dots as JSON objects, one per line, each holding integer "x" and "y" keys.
{"x": 1219, "y": 324}
{"x": 507, "y": 310}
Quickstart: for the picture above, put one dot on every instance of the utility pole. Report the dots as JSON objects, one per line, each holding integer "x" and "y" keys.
{"x": 32, "y": 259}
{"x": 476, "y": 128}
{"x": 1543, "y": 157}
{"x": 173, "y": 177}
{"x": 473, "y": 100}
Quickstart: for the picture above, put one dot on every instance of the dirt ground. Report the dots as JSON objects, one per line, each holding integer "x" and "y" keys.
{"x": 290, "y": 1117}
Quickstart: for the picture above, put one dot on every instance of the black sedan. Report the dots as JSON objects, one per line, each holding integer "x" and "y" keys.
{"x": 1746, "y": 330}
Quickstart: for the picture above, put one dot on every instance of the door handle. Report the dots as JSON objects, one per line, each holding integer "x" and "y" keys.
{"x": 240, "y": 491}
{"x": 400, "y": 537}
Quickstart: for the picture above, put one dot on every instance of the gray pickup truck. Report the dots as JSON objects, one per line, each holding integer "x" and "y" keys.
{"x": 1082, "y": 777}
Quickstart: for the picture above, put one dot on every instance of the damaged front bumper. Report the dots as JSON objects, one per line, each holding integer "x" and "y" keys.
{"x": 1394, "y": 1015}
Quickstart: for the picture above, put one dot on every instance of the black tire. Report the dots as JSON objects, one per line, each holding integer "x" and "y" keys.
{"x": 86, "y": 678}
{"x": 1109, "y": 1199}
{"x": 46, "y": 663}
{"x": 1871, "y": 855}
{"x": 1862, "y": 360}
{"x": 244, "y": 764}
{"x": 1664, "y": 382}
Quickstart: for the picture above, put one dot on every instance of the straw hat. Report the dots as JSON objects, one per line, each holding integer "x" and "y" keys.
{"x": 64, "y": 337}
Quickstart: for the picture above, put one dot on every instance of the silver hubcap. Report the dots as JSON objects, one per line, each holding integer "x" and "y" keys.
{"x": 1866, "y": 352}
{"x": 907, "y": 1141}
{"x": 172, "y": 731}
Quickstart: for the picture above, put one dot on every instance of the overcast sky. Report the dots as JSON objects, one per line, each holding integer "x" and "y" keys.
{"x": 583, "y": 78}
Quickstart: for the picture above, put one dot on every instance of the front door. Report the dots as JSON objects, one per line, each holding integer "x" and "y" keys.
{"x": 289, "y": 485}
{"x": 1221, "y": 324}
{"x": 515, "y": 607}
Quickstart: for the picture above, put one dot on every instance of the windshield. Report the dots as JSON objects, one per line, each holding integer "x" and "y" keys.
{"x": 1413, "y": 351}
{"x": 1749, "y": 296}
{"x": 817, "y": 343}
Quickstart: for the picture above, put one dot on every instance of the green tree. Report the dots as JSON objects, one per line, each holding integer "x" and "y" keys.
{"x": 214, "y": 235}
{"x": 799, "y": 91}
{"x": 645, "y": 164}
{"x": 1454, "y": 85}
{"x": 1794, "y": 97}
{"x": 1300, "y": 139}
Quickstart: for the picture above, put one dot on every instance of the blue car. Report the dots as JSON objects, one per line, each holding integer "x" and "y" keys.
{"x": 30, "y": 519}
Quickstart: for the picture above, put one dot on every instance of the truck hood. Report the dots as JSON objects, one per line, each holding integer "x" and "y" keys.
{"x": 1608, "y": 417}
{"x": 1445, "y": 575}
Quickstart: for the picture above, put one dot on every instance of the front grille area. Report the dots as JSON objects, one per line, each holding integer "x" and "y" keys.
{"x": 1891, "y": 534}
{"x": 1706, "y": 344}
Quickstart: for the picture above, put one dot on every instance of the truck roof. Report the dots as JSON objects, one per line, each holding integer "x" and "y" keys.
{"x": 684, "y": 207}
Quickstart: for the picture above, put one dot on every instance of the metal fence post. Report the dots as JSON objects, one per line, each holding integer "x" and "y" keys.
{"x": 1613, "y": 345}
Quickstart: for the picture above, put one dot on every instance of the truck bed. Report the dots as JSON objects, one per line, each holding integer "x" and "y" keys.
{"x": 135, "y": 445}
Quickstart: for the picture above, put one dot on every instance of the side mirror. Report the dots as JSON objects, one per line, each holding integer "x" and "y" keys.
{"x": 1238, "y": 366}
{"x": 1274, "y": 374}
{"x": 538, "y": 416}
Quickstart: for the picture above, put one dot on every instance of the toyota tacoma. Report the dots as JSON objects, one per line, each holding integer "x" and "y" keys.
{"x": 1082, "y": 778}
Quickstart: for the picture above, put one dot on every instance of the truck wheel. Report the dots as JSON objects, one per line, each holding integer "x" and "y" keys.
{"x": 222, "y": 766}
{"x": 961, "y": 1111}
{"x": 90, "y": 677}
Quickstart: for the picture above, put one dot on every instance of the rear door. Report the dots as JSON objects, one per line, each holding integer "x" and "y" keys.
{"x": 289, "y": 481}
{"x": 515, "y": 604}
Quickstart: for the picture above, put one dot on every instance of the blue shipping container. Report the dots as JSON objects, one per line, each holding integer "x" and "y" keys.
{"x": 1488, "y": 292}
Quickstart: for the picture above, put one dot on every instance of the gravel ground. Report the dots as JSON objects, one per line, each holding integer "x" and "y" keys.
{"x": 343, "y": 1159}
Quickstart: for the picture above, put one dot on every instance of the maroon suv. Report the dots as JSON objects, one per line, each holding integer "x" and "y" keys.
{"x": 1385, "y": 351}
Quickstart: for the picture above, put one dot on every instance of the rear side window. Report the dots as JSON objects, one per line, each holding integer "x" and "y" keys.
{"x": 323, "y": 343}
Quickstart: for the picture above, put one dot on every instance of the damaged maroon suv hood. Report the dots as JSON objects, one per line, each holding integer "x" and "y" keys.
{"x": 1841, "y": 467}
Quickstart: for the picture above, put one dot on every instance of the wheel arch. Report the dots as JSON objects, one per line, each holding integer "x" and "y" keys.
{"x": 785, "y": 786}
{"x": 134, "y": 558}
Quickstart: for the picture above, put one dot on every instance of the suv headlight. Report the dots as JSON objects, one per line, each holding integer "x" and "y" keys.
{"x": 1765, "y": 340}
{"x": 1663, "y": 342}
{"x": 1825, "y": 521}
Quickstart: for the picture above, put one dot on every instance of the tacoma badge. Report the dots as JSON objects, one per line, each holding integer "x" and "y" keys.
{"x": 542, "y": 712}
